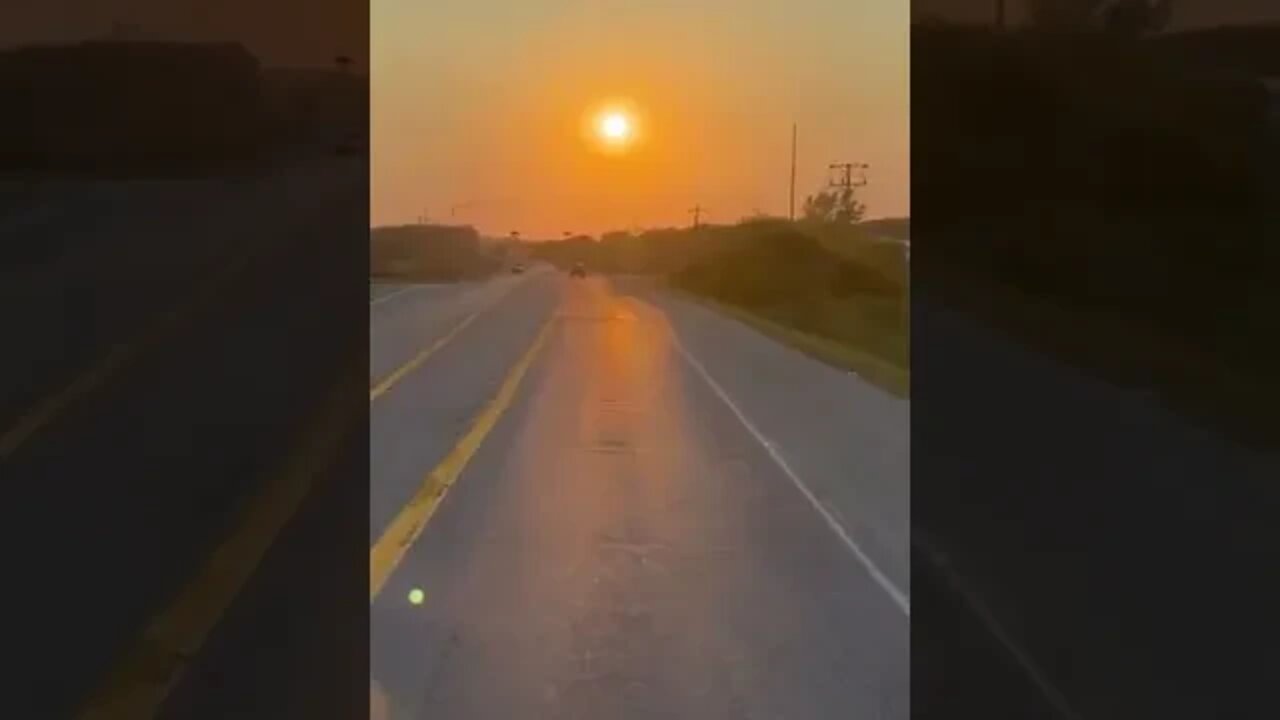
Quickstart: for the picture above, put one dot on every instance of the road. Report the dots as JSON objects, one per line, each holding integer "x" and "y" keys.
{"x": 135, "y": 458}
{"x": 1124, "y": 552}
{"x": 659, "y": 523}
{"x": 405, "y": 320}
{"x": 98, "y": 261}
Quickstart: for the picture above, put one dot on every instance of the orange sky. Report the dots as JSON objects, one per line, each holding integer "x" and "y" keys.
{"x": 479, "y": 103}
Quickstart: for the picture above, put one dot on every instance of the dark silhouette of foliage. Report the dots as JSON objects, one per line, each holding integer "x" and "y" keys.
{"x": 834, "y": 206}
{"x": 1133, "y": 177}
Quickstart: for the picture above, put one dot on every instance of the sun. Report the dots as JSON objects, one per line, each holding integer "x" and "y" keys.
{"x": 615, "y": 127}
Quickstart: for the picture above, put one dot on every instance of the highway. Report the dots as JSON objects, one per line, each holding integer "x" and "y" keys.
{"x": 633, "y": 508}
{"x": 161, "y": 371}
{"x": 1085, "y": 518}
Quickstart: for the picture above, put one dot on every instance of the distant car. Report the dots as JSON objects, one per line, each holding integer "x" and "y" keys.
{"x": 579, "y": 270}
{"x": 517, "y": 269}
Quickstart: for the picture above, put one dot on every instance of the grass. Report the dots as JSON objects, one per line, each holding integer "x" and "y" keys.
{"x": 892, "y": 376}
{"x": 1195, "y": 382}
{"x": 787, "y": 282}
{"x": 860, "y": 246}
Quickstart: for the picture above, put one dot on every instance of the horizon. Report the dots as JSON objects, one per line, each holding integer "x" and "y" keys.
{"x": 631, "y": 231}
{"x": 517, "y": 91}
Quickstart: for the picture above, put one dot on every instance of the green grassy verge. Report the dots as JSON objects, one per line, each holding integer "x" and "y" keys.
{"x": 892, "y": 377}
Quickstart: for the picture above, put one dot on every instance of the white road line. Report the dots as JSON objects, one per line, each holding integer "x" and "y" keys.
{"x": 899, "y": 598}
{"x": 976, "y": 606}
{"x": 397, "y": 293}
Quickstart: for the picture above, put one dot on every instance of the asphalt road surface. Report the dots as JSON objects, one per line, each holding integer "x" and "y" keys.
{"x": 1088, "y": 520}
{"x": 671, "y": 516}
{"x": 187, "y": 384}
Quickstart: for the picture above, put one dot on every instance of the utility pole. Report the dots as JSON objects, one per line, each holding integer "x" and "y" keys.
{"x": 791, "y": 206}
{"x": 846, "y": 180}
{"x": 461, "y": 205}
{"x": 697, "y": 211}
{"x": 1000, "y": 14}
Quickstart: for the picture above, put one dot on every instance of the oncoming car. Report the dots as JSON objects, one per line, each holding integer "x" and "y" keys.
{"x": 579, "y": 270}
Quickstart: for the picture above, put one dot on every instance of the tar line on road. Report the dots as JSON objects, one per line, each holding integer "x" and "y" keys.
{"x": 394, "y": 543}
{"x": 140, "y": 683}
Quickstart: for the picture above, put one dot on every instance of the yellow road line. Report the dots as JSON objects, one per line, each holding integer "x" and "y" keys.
{"x": 139, "y": 685}
{"x": 412, "y": 519}
{"x": 51, "y": 406}
{"x": 398, "y": 374}
{"x": 382, "y": 386}
{"x": 121, "y": 355}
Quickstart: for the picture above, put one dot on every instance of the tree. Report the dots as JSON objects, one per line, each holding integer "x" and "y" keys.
{"x": 834, "y": 206}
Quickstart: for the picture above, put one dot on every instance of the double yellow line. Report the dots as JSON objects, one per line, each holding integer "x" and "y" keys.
{"x": 139, "y": 685}
{"x": 404, "y": 529}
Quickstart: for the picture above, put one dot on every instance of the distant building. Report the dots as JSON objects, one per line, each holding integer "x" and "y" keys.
{"x": 128, "y": 107}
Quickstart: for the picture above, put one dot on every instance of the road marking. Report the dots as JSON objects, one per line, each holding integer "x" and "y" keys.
{"x": 403, "y": 531}
{"x": 397, "y": 293}
{"x": 380, "y": 389}
{"x": 382, "y": 386}
{"x": 116, "y": 359}
{"x": 977, "y": 607}
{"x": 122, "y": 354}
{"x": 898, "y": 597}
{"x": 137, "y": 688}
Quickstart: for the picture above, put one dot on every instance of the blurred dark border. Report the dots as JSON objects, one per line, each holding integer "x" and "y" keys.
{"x": 1095, "y": 432}
{"x": 183, "y": 282}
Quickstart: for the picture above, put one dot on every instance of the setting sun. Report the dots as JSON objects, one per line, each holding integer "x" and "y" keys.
{"x": 615, "y": 126}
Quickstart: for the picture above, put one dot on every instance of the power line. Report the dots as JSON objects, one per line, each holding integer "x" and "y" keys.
{"x": 697, "y": 211}
{"x": 847, "y": 180}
